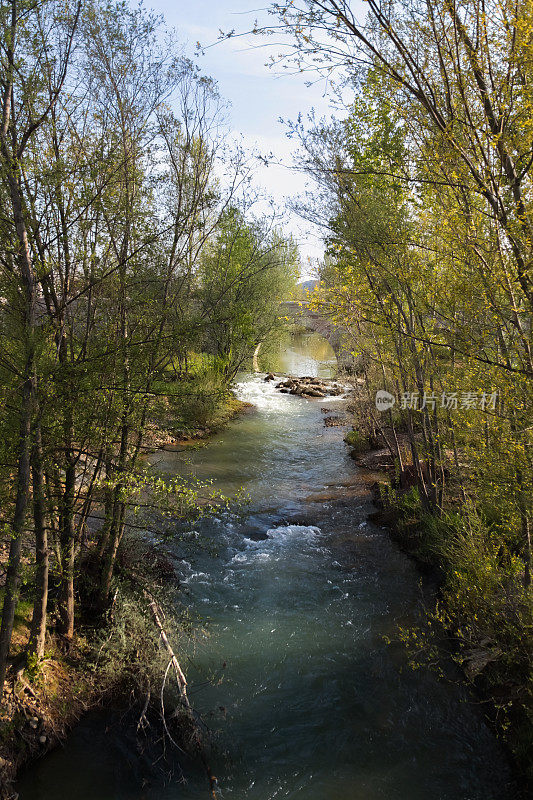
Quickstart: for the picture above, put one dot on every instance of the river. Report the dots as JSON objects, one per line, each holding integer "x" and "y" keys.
{"x": 305, "y": 698}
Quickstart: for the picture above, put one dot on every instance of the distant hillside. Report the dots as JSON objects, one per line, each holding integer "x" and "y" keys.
{"x": 303, "y": 287}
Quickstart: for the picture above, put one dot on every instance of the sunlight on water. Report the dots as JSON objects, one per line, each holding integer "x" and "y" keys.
{"x": 301, "y": 354}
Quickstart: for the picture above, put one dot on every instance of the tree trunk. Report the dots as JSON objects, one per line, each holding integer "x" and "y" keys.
{"x": 66, "y": 586}
{"x": 38, "y": 623}
{"x": 117, "y": 529}
{"x": 19, "y": 518}
{"x": 117, "y": 523}
{"x": 26, "y": 412}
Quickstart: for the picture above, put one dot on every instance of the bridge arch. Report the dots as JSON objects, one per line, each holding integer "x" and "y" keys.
{"x": 339, "y": 338}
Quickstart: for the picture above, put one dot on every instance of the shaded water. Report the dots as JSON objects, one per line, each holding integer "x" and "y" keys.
{"x": 293, "y": 675}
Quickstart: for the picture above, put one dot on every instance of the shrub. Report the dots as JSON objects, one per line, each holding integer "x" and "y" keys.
{"x": 357, "y": 441}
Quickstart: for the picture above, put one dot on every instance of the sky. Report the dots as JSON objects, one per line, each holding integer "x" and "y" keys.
{"x": 259, "y": 96}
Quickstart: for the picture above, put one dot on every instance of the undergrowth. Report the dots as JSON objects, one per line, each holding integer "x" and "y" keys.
{"x": 484, "y": 608}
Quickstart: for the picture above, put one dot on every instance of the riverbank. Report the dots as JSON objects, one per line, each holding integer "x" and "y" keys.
{"x": 487, "y": 629}
{"x": 111, "y": 659}
{"x": 166, "y": 429}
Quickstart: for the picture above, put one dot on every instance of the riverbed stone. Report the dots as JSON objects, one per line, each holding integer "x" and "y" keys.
{"x": 308, "y": 386}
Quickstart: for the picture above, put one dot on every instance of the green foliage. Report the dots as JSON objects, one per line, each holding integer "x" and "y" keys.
{"x": 484, "y": 610}
{"x": 201, "y": 401}
{"x": 23, "y": 608}
{"x": 244, "y": 274}
{"x": 33, "y": 666}
{"x": 357, "y": 441}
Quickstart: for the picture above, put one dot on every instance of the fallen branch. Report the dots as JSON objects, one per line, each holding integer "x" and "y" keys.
{"x": 180, "y": 677}
{"x": 196, "y": 738}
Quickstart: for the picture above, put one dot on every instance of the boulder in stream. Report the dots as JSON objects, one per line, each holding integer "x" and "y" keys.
{"x": 308, "y": 386}
{"x": 258, "y": 536}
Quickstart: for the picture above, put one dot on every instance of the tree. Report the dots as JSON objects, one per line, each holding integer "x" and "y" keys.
{"x": 460, "y": 75}
{"x": 244, "y": 274}
{"x": 112, "y": 150}
{"x": 31, "y": 86}
{"x": 454, "y": 80}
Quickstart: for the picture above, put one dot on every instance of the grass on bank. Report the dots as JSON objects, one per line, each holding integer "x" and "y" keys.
{"x": 196, "y": 400}
{"x": 484, "y": 610}
{"x": 483, "y": 606}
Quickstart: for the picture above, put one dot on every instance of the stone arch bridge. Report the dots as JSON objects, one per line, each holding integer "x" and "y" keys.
{"x": 340, "y": 339}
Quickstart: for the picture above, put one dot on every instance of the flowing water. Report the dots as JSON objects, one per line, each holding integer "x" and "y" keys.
{"x": 305, "y": 698}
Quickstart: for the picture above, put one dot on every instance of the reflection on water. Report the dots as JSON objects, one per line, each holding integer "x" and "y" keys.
{"x": 304, "y": 698}
{"x": 301, "y": 354}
